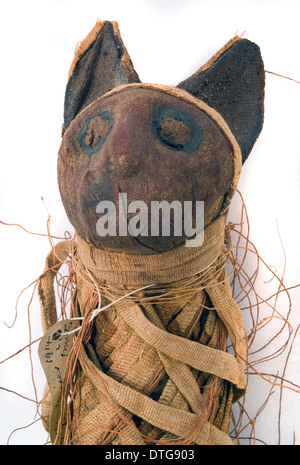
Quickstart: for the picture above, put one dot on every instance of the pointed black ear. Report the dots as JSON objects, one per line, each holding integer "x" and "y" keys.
{"x": 101, "y": 63}
{"x": 232, "y": 83}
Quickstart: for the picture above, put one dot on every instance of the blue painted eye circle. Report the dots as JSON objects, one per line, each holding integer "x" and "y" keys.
{"x": 94, "y": 132}
{"x": 176, "y": 129}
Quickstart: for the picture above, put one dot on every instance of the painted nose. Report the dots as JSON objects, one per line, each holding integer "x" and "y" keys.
{"x": 125, "y": 149}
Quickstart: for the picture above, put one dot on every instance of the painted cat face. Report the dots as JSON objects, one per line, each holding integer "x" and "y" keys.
{"x": 149, "y": 143}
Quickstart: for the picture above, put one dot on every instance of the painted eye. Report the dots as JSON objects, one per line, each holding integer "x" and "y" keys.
{"x": 94, "y": 132}
{"x": 176, "y": 129}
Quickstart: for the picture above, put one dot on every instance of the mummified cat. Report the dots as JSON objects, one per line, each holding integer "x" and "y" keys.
{"x": 151, "y": 366}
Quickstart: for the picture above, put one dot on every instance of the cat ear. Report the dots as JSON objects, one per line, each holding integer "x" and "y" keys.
{"x": 232, "y": 82}
{"x": 100, "y": 64}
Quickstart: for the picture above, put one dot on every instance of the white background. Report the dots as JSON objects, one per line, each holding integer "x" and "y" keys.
{"x": 167, "y": 41}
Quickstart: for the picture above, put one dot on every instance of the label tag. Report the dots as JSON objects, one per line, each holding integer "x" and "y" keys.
{"x": 54, "y": 349}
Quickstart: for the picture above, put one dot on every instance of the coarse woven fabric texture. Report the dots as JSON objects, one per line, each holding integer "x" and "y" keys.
{"x": 153, "y": 367}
